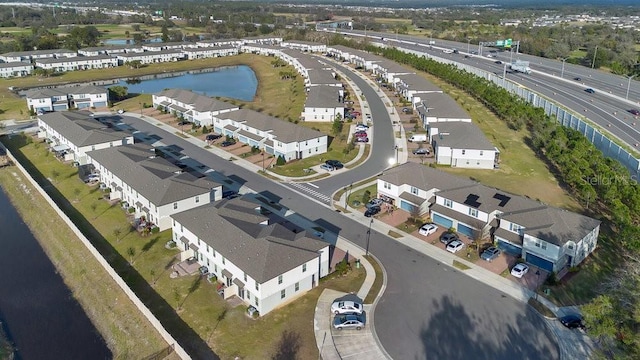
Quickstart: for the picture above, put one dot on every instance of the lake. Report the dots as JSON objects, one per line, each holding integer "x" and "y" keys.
{"x": 37, "y": 310}
{"x": 236, "y": 82}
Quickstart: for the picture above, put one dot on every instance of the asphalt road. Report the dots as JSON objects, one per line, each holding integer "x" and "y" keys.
{"x": 428, "y": 310}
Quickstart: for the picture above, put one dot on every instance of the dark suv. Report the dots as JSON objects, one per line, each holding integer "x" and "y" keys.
{"x": 335, "y": 163}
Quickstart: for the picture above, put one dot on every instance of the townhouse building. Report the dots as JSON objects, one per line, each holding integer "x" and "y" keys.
{"x": 253, "y": 253}
{"x": 65, "y": 98}
{"x": 261, "y": 49}
{"x": 153, "y": 186}
{"x": 77, "y": 63}
{"x": 323, "y": 104}
{"x": 107, "y": 50}
{"x": 462, "y": 144}
{"x": 150, "y": 57}
{"x": 413, "y": 87}
{"x": 306, "y": 46}
{"x": 75, "y": 133}
{"x": 276, "y": 137}
{"x": 30, "y": 56}
{"x": 191, "y": 106}
{"x": 549, "y": 238}
{"x": 210, "y": 52}
{"x": 15, "y": 69}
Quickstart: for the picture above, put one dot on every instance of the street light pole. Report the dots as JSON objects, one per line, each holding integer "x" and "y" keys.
{"x": 262, "y": 160}
{"x": 594, "y": 57}
{"x": 629, "y": 85}
{"x": 468, "y": 46}
{"x": 562, "y": 71}
{"x": 396, "y": 148}
{"x": 368, "y": 238}
{"x": 537, "y": 283}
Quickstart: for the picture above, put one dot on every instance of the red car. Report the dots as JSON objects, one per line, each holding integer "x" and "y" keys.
{"x": 359, "y": 134}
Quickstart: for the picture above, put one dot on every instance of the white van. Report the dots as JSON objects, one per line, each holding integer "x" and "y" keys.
{"x": 418, "y": 138}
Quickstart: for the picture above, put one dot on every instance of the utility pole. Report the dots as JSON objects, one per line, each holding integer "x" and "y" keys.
{"x": 562, "y": 71}
{"x": 629, "y": 85}
{"x": 594, "y": 57}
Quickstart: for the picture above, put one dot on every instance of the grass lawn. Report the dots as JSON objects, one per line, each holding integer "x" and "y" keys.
{"x": 188, "y": 307}
{"x": 458, "y": 265}
{"x": 377, "y": 283}
{"x": 355, "y": 198}
{"x": 521, "y": 172}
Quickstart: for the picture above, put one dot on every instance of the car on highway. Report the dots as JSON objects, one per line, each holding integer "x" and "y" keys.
{"x": 326, "y": 167}
{"x": 421, "y": 151}
{"x": 212, "y": 137}
{"x": 448, "y": 237}
{"x": 572, "y": 321}
{"x": 374, "y": 202}
{"x": 428, "y": 229}
{"x": 498, "y": 62}
{"x": 590, "y": 90}
{"x": 577, "y": 78}
{"x": 634, "y": 112}
{"x": 346, "y": 307}
{"x": 455, "y": 246}
{"x": 372, "y": 211}
{"x": 348, "y": 322}
{"x": 490, "y": 254}
{"x": 335, "y": 163}
{"x": 519, "y": 270}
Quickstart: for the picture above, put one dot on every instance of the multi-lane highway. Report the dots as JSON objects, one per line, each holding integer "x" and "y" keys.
{"x": 429, "y": 310}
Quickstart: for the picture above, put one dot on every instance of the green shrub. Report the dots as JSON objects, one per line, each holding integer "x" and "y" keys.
{"x": 131, "y": 210}
{"x": 342, "y": 267}
{"x": 281, "y": 161}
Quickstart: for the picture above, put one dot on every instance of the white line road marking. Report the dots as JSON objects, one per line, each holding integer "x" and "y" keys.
{"x": 314, "y": 185}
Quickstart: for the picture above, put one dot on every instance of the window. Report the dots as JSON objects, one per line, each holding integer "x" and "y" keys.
{"x": 387, "y": 186}
{"x": 175, "y": 206}
{"x": 245, "y": 277}
{"x": 481, "y": 152}
{"x": 215, "y": 268}
{"x": 181, "y": 228}
{"x": 304, "y": 267}
{"x": 256, "y": 299}
{"x": 570, "y": 247}
{"x": 223, "y": 261}
{"x": 448, "y": 203}
{"x": 197, "y": 199}
{"x": 280, "y": 279}
{"x": 537, "y": 243}
{"x": 214, "y": 252}
{"x": 543, "y": 246}
{"x": 257, "y": 287}
{"x": 297, "y": 286}
{"x": 463, "y": 151}
{"x": 283, "y": 293}
{"x": 414, "y": 190}
{"x": 515, "y": 227}
{"x": 473, "y": 212}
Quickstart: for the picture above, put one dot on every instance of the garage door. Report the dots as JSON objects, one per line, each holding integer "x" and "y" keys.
{"x": 100, "y": 104}
{"x": 442, "y": 221}
{"x": 406, "y": 206}
{"x": 509, "y": 248}
{"x": 539, "y": 262}
{"x": 465, "y": 230}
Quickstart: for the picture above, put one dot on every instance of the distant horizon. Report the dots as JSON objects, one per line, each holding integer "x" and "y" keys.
{"x": 497, "y": 3}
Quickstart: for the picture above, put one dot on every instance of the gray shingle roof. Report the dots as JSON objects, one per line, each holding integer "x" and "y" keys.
{"x": 80, "y": 129}
{"x": 85, "y": 89}
{"x": 423, "y": 177}
{"x": 488, "y": 199}
{"x": 284, "y": 131}
{"x": 199, "y": 102}
{"x": 233, "y": 229}
{"x": 74, "y": 59}
{"x": 323, "y": 97}
{"x": 323, "y": 77}
{"x": 155, "y": 178}
{"x": 417, "y": 83}
{"x": 393, "y": 67}
{"x": 461, "y": 135}
{"x": 441, "y": 106}
{"x": 15, "y": 64}
{"x": 44, "y": 93}
{"x": 307, "y": 61}
{"x": 555, "y": 226}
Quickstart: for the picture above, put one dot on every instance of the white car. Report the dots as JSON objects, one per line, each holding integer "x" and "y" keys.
{"x": 519, "y": 270}
{"x": 120, "y": 111}
{"x": 362, "y": 127}
{"x": 346, "y": 307}
{"x": 428, "y": 229}
{"x": 454, "y": 246}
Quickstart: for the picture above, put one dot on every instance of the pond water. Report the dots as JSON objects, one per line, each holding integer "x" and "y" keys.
{"x": 128, "y": 41}
{"x": 37, "y": 310}
{"x": 237, "y": 82}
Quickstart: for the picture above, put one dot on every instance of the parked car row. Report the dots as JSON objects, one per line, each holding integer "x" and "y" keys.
{"x": 348, "y": 315}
